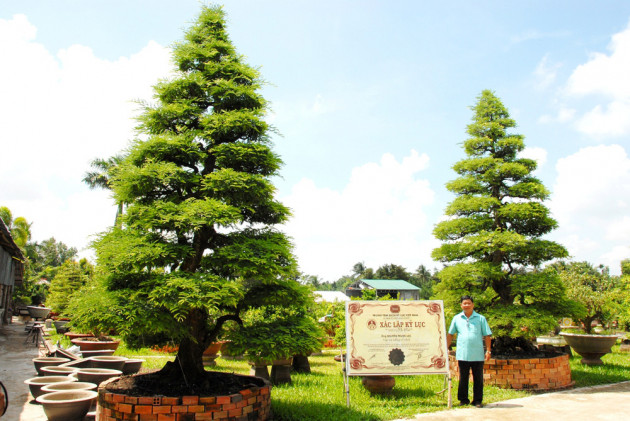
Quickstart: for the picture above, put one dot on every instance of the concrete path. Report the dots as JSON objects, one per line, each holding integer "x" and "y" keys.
{"x": 16, "y": 365}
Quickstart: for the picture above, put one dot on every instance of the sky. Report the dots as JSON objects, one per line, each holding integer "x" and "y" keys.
{"x": 370, "y": 100}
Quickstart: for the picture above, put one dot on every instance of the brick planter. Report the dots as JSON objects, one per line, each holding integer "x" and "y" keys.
{"x": 533, "y": 374}
{"x": 253, "y": 403}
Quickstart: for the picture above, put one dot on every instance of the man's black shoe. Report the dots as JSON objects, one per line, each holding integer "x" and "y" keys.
{"x": 464, "y": 403}
{"x": 478, "y": 405}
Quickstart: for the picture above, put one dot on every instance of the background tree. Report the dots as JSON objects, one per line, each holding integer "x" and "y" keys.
{"x": 19, "y": 227}
{"x": 197, "y": 246}
{"x": 392, "y": 271}
{"x": 70, "y": 277}
{"x": 101, "y": 175}
{"x": 425, "y": 280}
{"x": 491, "y": 240}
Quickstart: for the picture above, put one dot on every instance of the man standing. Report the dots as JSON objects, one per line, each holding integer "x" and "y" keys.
{"x": 472, "y": 331}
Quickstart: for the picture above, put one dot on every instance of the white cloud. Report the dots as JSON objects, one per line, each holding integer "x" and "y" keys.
{"x": 537, "y": 154}
{"x": 378, "y": 217}
{"x": 605, "y": 75}
{"x": 58, "y": 112}
{"x": 590, "y": 203}
{"x": 546, "y": 73}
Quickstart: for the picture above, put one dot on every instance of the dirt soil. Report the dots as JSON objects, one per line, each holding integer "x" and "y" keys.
{"x": 158, "y": 384}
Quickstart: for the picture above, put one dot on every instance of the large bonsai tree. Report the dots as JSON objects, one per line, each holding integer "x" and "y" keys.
{"x": 197, "y": 245}
{"x": 492, "y": 244}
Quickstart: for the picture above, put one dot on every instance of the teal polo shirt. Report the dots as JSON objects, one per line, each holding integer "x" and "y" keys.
{"x": 470, "y": 333}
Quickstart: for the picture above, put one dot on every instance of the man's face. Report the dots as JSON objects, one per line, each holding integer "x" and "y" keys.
{"x": 467, "y": 306}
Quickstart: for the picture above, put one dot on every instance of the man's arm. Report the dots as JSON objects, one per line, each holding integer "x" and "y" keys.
{"x": 488, "y": 340}
{"x": 449, "y": 340}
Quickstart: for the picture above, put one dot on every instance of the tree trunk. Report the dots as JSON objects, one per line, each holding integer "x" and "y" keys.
{"x": 188, "y": 364}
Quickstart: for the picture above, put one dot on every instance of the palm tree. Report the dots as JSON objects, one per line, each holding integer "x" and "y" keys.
{"x": 19, "y": 227}
{"x": 100, "y": 178}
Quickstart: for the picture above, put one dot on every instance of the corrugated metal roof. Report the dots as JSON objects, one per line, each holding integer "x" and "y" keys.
{"x": 397, "y": 284}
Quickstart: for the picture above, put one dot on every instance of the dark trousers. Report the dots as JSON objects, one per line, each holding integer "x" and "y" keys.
{"x": 464, "y": 373}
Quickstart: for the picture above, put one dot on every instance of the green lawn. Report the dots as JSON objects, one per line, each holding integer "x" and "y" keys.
{"x": 320, "y": 395}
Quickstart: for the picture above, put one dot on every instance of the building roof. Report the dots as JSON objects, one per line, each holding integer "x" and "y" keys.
{"x": 390, "y": 284}
{"x": 7, "y": 243}
{"x": 330, "y": 296}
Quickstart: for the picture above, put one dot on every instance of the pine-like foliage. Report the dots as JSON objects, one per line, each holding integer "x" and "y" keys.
{"x": 491, "y": 239}
{"x": 197, "y": 244}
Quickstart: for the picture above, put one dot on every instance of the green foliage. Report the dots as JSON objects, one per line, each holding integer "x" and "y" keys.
{"x": 69, "y": 279}
{"x": 94, "y": 309}
{"x": 491, "y": 241}
{"x": 19, "y": 227}
{"x": 593, "y": 289}
{"x": 197, "y": 245}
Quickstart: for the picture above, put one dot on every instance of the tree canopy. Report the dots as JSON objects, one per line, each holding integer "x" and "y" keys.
{"x": 492, "y": 243}
{"x": 196, "y": 245}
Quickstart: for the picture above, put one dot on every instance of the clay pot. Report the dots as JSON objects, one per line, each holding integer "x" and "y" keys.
{"x": 68, "y": 405}
{"x": 62, "y": 387}
{"x": 379, "y": 384}
{"x": 73, "y": 335}
{"x": 59, "y": 371}
{"x": 108, "y": 361}
{"x": 591, "y": 347}
{"x": 61, "y": 326}
{"x": 80, "y": 363}
{"x": 36, "y": 383}
{"x": 97, "y": 353}
{"x": 132, "y": 366}
{"x": 38, "y": 312}
{"x": 48, "y": 362}
{"x": 96, "y": 375}
{"x": 88, "y": 345}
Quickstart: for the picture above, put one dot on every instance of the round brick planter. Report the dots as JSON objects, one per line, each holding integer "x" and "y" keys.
{"x": 551, "y": 373}
{"x": 253, "y": 403}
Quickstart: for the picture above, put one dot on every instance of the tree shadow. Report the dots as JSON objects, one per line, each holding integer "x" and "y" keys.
{"x": 317, "y": 412}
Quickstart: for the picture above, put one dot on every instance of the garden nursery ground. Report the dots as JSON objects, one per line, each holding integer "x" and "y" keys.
{"x": 412, "y": 395}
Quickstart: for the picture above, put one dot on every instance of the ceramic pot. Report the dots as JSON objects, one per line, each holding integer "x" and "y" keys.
{"x": 48, "y": 362}
{"x": 73, "y": 335}
{"x": 87, "y": 345}
{"x": 38, "y": 312}
{"x": 591, "y": 347}
{"x": 108, "y": 361}
{"x": 62, "y": 387}
{"x": 379, "y": 384}
{"x": 80, "y": 363}
{"x": 132, "y": 366}
{"x": 70, "y": 405}
{"x": 96, "y": 375}
{"x": 59, "y": 371}
{"x": 36, "y": 383}
{"x": 61, "y": 326}
{"x": 97, "y": 353}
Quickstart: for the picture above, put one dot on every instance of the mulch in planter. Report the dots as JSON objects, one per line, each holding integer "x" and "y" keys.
{"x": 156, "y": 383}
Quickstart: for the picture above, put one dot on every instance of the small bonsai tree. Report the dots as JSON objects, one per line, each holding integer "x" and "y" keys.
{"x": 69, "y": 279}
{"x": 491, "y": 239}
{"x": 592, "y": 288}
{"x": 197, "y": 244}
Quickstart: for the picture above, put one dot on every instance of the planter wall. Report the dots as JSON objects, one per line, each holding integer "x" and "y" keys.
{"x": 253, "y": 403}
{"x": 552, "y": 373}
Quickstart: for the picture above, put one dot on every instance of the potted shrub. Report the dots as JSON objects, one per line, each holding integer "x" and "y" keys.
{"x": 594, "y": 289}
{"x": 272, "y": 335}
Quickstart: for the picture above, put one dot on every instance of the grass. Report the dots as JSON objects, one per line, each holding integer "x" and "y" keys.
{"x": 320, "y": 395}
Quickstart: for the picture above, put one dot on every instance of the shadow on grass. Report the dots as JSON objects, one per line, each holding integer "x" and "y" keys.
{"x": 283, "y": 411}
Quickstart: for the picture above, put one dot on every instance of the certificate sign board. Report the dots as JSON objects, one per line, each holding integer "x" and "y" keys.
{"x": 395, "y": 338}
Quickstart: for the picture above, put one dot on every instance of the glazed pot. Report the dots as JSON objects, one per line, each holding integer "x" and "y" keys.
{"x": 108, "y": 361}
{"x": 62, "y": 387}
{"x": 36, "y": 383}
{"x": 73, "y": 335}
{"x": 59, "y": 371}
{"x": 132, "y": 366}
{"x": 93, "y": 345}
{"x": 379, "y": 384}
{"x": 591, "y": 347}
{"x": 70, "y": 405}
{"x": 48, "y": 362}
{"x": 97, "y": 353}
{"x": 80, "y": 363}
{"x": 96, "y": 375}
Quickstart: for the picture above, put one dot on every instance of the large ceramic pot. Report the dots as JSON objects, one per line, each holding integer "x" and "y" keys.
{"x": 41, "y": 362}
{"x": 65, "y": 386}
{"x": 36, "y": 383}
{"x": 379, "y": 384}
{"x": 74, "y": 335}
{"x": 94, "y": 345}
{"x": 96, "y": 375}
{"x": 132, "y": 366}
{"x": 38, "y": 312}
{"x": 68, "y": 405}
{"x": 591, "y": 347}
{"x": 108, "y": 361}
{"x": 210, "y": 354}
{"x": 59, "y": 371}
{"x": 61, "y": 326}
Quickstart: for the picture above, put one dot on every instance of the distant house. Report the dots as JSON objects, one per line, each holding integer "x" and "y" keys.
{"x": 330, "y": 296}
{"x": 394, "y": 287}
{"x": 11, "y": 271}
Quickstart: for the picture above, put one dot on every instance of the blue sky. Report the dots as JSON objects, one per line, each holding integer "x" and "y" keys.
{"x": 371, "y": 99}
